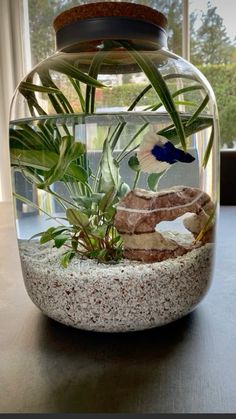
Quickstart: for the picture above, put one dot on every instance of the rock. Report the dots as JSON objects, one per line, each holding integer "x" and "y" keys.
{"x": 140, "y": 210}
{"x": 154, "y": 255}
{"x": 155, "y": 247}
{"x": 156, "y": 241}
{"x": 196, "y": 222}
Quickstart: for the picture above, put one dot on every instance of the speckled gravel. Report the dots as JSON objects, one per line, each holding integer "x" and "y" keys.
{"x": 114, "y": 298}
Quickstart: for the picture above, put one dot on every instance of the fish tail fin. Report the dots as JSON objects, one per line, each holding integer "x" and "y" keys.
{"x": 184, "y": 157}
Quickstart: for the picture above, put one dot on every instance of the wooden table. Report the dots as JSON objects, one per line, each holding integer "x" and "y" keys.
{"x": 188, "y": 366}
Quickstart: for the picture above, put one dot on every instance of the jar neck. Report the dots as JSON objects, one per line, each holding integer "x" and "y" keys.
{"x": 113, "y": 28}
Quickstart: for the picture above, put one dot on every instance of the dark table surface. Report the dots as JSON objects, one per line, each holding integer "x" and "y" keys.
{"x": 186, "y": 367}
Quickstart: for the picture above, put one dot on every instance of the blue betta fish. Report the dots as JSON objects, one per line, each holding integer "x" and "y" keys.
{"x": 156, "y": 154}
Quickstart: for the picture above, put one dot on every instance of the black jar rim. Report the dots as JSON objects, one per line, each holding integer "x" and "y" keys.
{"x": 110, "y": 20}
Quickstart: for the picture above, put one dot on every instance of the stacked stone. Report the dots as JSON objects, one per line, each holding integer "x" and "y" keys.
{"x": 140, "y": 211}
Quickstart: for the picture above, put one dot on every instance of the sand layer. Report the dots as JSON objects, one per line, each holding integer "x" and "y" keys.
{"x": 123, "y": 297}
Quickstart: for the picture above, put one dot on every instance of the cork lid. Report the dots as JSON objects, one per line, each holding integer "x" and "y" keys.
{"x": 110, "y": 9}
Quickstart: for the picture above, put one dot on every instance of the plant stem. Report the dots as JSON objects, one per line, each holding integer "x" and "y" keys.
{"x": 136, "y": 179}
{"x": 31, "y": 204}
{"x": 60, "y": 198}
{"x": 121, "y": 155}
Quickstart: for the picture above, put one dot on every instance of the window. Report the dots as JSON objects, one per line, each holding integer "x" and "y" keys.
{"x": 213, "y": 51}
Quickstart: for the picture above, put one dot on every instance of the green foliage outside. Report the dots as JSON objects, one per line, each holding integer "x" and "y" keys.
{"x": 210, "y": 43}
{"x": 223, "y": 80}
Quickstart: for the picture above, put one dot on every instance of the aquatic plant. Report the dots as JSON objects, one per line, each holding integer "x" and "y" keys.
{"x": 45, "y": 154}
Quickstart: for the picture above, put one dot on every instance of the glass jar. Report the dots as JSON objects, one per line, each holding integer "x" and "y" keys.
{"x": 114, "y": 154}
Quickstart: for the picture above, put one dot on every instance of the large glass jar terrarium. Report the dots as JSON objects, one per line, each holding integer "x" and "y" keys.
{"x": 113, "y": 144}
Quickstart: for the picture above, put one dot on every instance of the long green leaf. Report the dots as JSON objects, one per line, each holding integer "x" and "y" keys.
{"x": 33, "y": 205}
{"x": 107, "y": 199}
{"x": 90, "y": 90}
{"x": 36, "y": 159}
{"x": 175, "y": 94}
{"x": 69, "y": 151}
{"x": 117, "y": 133}
{"x": 77, "y": 172}
{"x": 123, "y": 152}
{"x": 180, "y": 76}
{"x": 44, "y": 161}
{"x": 30, "y": 87}
{"x": 28, "y": 138}
{"x": 139, "y": 97}
{"x": 66, "y": 257}
{"x": 32, "y": 102}
{"x": 198, "y": 111}
{"x": 209, "y": 147}
{"x": 198, "y": 125}
{"x": 59, "y": 99}
{"x": 109, "y": 170}
{"x": 207, "y": 225}
{"x": 71, "y": 71}
{"x": 76, "y": 85}
{"x": 160, "y": 86}
{"x": 77, "y": 218}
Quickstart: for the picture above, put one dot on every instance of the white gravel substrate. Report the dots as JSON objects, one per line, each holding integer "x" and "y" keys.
{"x": 114, "y": 298}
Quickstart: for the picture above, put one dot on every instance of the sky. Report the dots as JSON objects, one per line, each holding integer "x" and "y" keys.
{"x": 225, "y": 8}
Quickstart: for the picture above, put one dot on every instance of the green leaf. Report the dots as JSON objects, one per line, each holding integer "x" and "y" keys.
{"x": 26, "y": 137}
{"x": 139, "y": 97}
{"x": 116, "y": 239}
{"x": 209, "y": 147}
{"x": 93, "y": 72}
{"x": 187, "y": 89}
{"x": 77, "y": 218}
{"x": 207, "y": 225}
{"x": 66, "y": 258}
{"x": 110, "y": 212}
{"x": 45, "y": 160}
{"x": 110, "y": 176}
{"x": 153, "y": 180}
{"x": 60, "y": 240}
{"x": 64, "y": 67}
{"x": 33, "y": 158}
{"x": 134, "y": 163}
{"x": 123, "y": 190}
{"x": 77, "y": 172}
{"x": 180, "y": 92}
{"x": 47, "y": 235}
{"x": 58, "y": 101}
{"x": 102, "y": 254}
{"x": 88, "y": 201}
{"x": 76, "y": 85}
{"x": 32, "y": 102}
{"x": 100, "y": 231}
{"x": 160, "y": 86}
{"x": 198, "y": 111}
{"x": 30, "y": 174}
{"x": 69, "y": 150}
{"x": 184, "y": 102}
{"x": 33, "y": 205}
{"x": 35, "y": 88}
{"x": 198, "y": 125}
{"x": 107, "y": 199}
